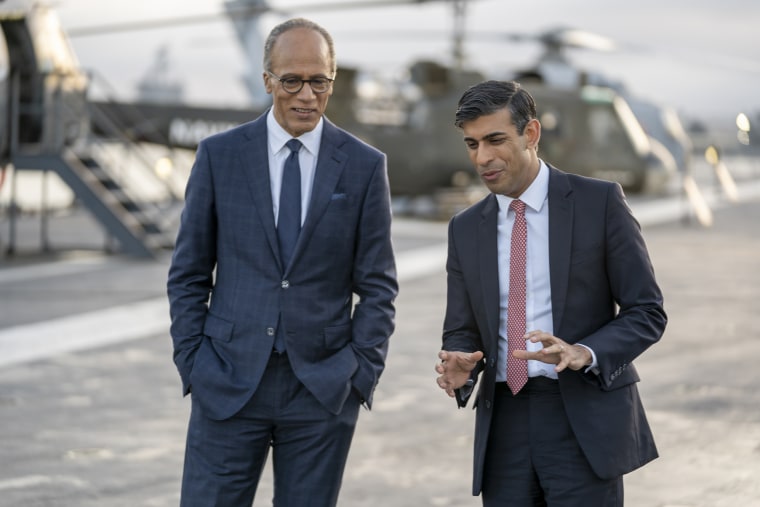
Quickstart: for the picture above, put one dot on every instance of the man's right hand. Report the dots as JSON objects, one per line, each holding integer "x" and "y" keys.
{"x": 454, "y": 369}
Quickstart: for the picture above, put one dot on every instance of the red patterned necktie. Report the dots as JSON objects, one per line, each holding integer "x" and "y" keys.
{"x": 517, "y": 369}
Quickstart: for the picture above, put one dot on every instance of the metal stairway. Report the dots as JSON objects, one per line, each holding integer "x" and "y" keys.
{"x": 142, "y": 225}
{"x": 139, "y": 227}
{"x": 47, "y": 127}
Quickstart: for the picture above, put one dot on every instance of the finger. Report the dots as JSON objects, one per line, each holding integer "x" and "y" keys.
{"x": 443, "y": 355}
{"x": 523, "y": 354}
{"x": 562, "y": 364}
{"x": 537, "y": 335}
{"x": 476, "y": 356}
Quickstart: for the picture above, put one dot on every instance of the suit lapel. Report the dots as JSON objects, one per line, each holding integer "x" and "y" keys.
{"x": 330, "y": 165}
{"x": 561, "y": 208}
{"x": 254, "y": 158}
{"x": 489, "y": 267}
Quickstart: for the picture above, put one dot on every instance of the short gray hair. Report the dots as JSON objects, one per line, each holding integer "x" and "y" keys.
{"x": 290, "y": 25}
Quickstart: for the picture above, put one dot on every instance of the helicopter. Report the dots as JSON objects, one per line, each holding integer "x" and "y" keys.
{"x": 588, "y": 129}
{"x": 589, "y": 125}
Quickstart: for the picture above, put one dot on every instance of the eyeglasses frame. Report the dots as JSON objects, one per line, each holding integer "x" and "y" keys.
{"x": 303, "y": 82}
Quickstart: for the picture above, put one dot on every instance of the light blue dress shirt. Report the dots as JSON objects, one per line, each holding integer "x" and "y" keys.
{"x": 307, "y": 158}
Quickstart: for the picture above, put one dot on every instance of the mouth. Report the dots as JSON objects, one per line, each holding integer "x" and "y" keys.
{"x": 302, "y": 111}
{"x": 490, "y": 174}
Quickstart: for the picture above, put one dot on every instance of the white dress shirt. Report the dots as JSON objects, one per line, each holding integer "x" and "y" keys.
{"x": 307, "y": 158}
{"x": 538, "y": 301}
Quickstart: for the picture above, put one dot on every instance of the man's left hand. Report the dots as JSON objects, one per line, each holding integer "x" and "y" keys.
{"x": 555, "y": 351}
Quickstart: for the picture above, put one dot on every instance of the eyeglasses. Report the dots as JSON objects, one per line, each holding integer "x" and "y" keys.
{"x": 295, "y": 84}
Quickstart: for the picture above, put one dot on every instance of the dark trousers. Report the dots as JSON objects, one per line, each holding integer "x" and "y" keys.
{"x": 224, "y": 459}
{"x": 533, "y": 458}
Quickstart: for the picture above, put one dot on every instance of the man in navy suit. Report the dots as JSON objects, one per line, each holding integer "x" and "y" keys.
{"x": 565, "y": 433}
{"x": 280, "y": 339}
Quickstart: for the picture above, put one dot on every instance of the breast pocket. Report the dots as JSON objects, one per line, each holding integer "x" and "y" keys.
{"x": 339, "y": 203}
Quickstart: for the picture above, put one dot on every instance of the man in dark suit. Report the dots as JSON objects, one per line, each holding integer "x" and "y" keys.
{"x": 549, "y": 271}
{"x": 280, "y": 325}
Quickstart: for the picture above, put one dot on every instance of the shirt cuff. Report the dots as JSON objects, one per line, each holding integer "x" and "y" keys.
{"x": 594, "y": 366}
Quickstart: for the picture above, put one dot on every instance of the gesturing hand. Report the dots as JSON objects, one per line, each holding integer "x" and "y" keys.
{"x": 454, "y": 369}
{"x": 555, "y": 351}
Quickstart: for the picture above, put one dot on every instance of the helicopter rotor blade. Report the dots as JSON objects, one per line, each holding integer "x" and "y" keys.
{"x": 235, "y": 12}
{"x": 564, "y": 37}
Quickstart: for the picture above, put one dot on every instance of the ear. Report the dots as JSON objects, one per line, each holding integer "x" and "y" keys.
{"x": 532, "y": 133}
{"x": 267, "y": 82}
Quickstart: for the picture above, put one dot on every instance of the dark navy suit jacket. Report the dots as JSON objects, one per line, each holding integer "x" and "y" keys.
{"x": 228, "y": 290}
{"x": 604, "y": 295}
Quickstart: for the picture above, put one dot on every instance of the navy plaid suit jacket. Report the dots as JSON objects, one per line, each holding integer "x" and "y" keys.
{"x": 228, "y": 291}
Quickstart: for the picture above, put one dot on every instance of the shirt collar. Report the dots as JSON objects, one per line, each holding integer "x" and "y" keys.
{"x": 278, "y": 136}
{"x": 534, "y": 196}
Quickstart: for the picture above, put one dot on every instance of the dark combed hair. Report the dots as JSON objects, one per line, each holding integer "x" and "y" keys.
{"x": 290, "y": 25}
{"x": 489, "y": 97}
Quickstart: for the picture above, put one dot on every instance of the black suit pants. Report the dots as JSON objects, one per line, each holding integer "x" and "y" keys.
{"x": 533, "y": 458}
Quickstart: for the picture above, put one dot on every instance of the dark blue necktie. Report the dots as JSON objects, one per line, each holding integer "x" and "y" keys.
{"x": 289, "y": 217}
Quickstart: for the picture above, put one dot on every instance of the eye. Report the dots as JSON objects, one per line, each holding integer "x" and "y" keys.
{"x": 291, "y": 82}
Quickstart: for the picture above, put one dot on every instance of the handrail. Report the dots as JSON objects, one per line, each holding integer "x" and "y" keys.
{"x": 113, "y": 127}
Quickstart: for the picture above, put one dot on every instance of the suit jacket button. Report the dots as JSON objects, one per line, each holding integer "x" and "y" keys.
{"x": 270, "y": 331}
{"x": 285, "y": 284}
{"x": 488, "y": 403}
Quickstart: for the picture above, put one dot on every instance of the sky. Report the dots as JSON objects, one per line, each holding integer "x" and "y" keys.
{"x": 698, "y": 56}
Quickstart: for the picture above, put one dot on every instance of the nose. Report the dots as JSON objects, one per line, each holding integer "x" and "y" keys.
{"x": 483, "y": 155}
{"x": 306, "y": 93}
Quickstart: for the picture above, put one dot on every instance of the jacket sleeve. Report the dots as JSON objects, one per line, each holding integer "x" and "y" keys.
{"x": 460, "y": 329}
{"x": 640, "y": 320}
{"x": 190, "y": 279}
{"x": 375, "y": 284}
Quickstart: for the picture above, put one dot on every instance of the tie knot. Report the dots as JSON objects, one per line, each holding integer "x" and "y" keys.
{"x": 294, "y": 145}
{"x": 518, "y": 206}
